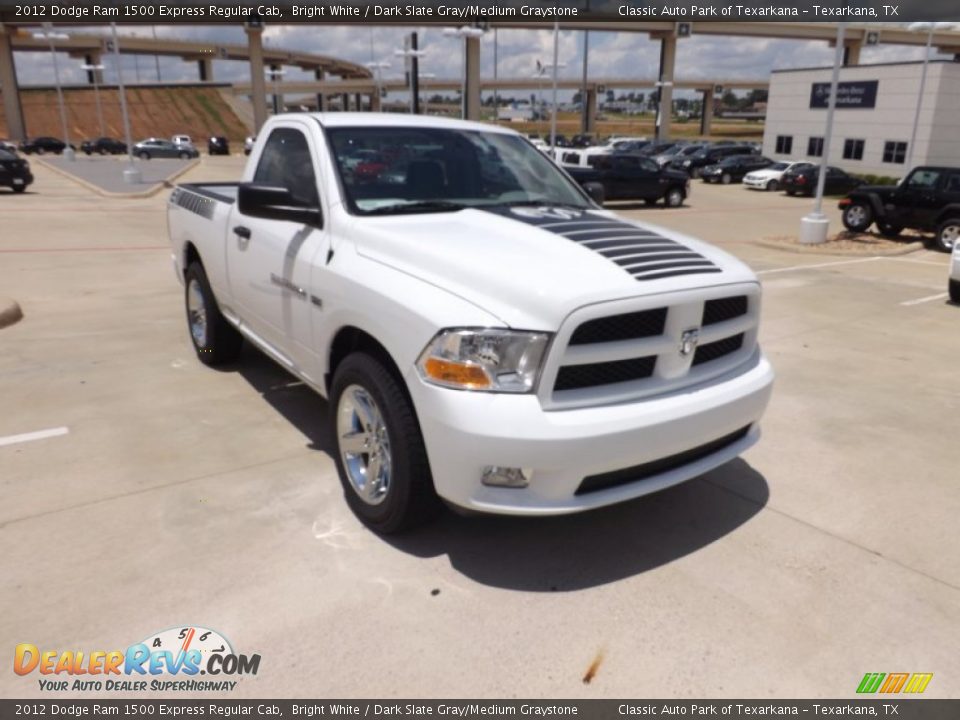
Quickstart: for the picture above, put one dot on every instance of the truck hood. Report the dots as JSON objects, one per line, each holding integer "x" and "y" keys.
{"x": 533, "y": 266}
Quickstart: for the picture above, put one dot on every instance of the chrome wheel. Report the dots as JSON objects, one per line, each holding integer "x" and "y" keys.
{"x": 197, "y": 314}
{"x": 949, "y": 234}
{"x": 674, "y": 198}
{"x": 856, "y": 217}
{"x": 364, "y": 444}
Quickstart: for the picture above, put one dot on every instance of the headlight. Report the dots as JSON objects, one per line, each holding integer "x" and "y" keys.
{"x": 491, "y": 360}
{"x": 686, "y": 163}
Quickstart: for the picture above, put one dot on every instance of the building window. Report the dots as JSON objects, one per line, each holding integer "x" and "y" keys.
{"x": 853, "y": 149}
{"x": 784, "y": 144}
{"x": 894, "y": 152}
{"x": 815, "y": 147}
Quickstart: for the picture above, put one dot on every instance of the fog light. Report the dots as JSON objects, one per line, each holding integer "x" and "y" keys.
{"x": 506, "y": 476}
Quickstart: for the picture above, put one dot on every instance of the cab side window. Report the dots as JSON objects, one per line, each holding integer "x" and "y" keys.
{"x": 923, "y": 179}
{"x": 286, "y": 163}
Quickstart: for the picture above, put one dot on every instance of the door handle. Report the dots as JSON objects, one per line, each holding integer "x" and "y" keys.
{"x": 242, "y": 231}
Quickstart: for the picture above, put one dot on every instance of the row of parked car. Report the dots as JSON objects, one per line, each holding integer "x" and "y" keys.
{"x": 179, "y": 146}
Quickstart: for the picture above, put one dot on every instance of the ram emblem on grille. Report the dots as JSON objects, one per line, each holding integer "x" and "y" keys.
{"x": 688, "y": 341}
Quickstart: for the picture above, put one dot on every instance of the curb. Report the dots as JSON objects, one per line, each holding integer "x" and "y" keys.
{"x": 799, "y": 249}
{"x": 10, "y": 312}
{"x": 157, "y": 187}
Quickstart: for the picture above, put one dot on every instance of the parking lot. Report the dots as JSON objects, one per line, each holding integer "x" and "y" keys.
{"x": 180, "y": 495}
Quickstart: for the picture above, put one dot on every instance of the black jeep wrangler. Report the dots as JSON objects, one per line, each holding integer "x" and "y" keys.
{"x": 928, "y": 200}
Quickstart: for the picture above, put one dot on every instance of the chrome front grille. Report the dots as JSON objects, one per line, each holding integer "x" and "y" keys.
{"x": 627, "y": 350}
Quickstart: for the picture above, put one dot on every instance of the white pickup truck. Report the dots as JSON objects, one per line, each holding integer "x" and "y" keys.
{"x": 484, "y": 333}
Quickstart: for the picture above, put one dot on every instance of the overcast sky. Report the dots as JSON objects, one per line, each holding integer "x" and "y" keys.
{"x": 626, "y": 55}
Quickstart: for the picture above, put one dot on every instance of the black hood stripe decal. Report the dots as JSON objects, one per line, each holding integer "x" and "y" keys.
{"x": 641, "y": 253}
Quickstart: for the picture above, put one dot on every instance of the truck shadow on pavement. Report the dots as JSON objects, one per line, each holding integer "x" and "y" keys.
{"x": 575, "y": 552}
{"x": 288, "y": 395}
{"x": 548, "y": 554}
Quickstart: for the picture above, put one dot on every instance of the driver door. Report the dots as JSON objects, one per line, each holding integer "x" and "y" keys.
{"x": 270, "y": 261}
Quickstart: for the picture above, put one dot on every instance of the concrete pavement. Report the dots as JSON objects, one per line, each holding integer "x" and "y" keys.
{"x": 185, "y": 495}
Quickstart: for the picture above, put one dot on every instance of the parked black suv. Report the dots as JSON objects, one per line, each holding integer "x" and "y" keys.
{"x": 928, "y": 199}
{"x": 710, "y": 155}
{"x": 218, "y": 145}
{"x": 630, "y": 176}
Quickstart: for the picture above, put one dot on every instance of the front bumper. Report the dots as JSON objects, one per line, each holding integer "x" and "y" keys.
{"x": 756, "y": 183}
{"x": 467, "y": 431}
{"x": 11, "y": 180}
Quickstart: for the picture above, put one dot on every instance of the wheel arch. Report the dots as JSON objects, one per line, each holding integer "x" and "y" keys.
{"x": 349, "y": 339}
{"x": 949, "y": 212}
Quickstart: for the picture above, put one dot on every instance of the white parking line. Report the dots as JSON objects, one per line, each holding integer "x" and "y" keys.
{"x": 38, "y": 435}
{"x": 818, "y": 265}
{"x": 916, "y": 262}
{"x": 928, "y": 298}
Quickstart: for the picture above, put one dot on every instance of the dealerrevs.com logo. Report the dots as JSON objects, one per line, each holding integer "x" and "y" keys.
{"x": 185, "y": 659}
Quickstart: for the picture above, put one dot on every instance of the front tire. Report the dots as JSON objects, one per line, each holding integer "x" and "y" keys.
{"x": 215, "y": 340}
{"x": 954, "y": 287}
{"x": 725, "y": 179}
{"x": 773, "y": 186}
{"x": 380, "y": 454}
{"x": 857, "y": 217}
{"x": 19, "y": 188}
{"x": 143, "y": 155}
{"x": 948, "y": 233}
{"x": 184, "y": 156}
{"x": 674, "y": 198}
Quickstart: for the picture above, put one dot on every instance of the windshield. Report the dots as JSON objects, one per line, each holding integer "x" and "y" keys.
{"x": 4, "y": 155}
{"x": 778, "y": 166}
{"x": 388, "y": 170}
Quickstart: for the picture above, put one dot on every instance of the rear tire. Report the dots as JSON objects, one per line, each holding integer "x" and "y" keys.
{"x": 376, "y": 430}
{"x": 857, "y": 217}
{"x": 184, "y": 156}
{"x": 948, "y": 233}
{"x": 19, "y": 188}
{"x": 674, "y": 198}
{"x": 215, "y": 340}
{"x": 954, "y": 287}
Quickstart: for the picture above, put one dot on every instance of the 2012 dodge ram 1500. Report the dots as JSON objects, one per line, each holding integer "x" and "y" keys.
{"x": 484, "y": 333}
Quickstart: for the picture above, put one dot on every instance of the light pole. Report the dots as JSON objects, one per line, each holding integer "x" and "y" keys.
{"x": 540, "y": 74}
{"x": 50, "y": 36}
{"x": 275, "y": 76}
{"x": 813, "y": 227}
{"x": 411, "y": 58}
{"x": 156, "y": 58}
{"x": 930, "y": 27}
{"x": 131, "y": 175}
{"x": 464, "y": 32}
{"x": 377, "y": 67}
{"x": 95, "y": 70}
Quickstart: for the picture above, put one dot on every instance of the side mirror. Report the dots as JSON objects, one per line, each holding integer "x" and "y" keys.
{"x": 595, "y": 191}
{"x": 275, "y": 203}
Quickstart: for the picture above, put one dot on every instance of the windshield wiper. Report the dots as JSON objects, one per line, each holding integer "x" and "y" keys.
{"x": 421, "y": 206}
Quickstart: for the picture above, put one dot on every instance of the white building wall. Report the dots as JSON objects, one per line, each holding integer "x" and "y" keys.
{"x": 938, "y": 135}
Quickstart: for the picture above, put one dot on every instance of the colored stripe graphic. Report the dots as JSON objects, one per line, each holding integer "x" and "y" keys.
{"x": 870, "y": 682}
{"x": 894, "y": 682}
{"x": 918, "y": 682}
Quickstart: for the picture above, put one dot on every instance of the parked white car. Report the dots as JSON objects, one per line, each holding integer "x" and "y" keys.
{"x": 580, "y": 157}
{"x": 483, "y": 332}
{"x": 181, "y": 140}
{"x": 953, "y": 285}
{"x": 248, "y": 144}
{"x": 769, "y": 177}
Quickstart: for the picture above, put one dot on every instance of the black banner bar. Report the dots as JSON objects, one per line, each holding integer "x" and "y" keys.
{"x": 477, "y": 11}
{"x": 896, "y": 707}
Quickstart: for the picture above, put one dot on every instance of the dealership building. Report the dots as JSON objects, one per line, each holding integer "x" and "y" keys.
{"x": 873, "y": 123}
